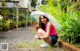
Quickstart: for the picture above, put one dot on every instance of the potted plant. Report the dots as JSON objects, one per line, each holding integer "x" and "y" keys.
{"x": 12, "y": 25}
{"x": 23, "y": 23}
{"x": 5, "y": 13}
{"x": 1, "y": 23}
{"x": 6, "y": 25}
{"x": 3, "y": 3}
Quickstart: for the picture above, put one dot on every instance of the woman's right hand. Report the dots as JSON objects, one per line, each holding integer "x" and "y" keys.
{"x": 36, "y": 36}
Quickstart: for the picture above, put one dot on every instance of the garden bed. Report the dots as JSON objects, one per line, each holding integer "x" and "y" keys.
{"x": 67, "y": 46}
{"x": 76, "y": 44}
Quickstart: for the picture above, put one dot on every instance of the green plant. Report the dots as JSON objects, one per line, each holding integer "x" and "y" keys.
{"x": 1, "y": 25}
{"x": 3, "y": 3}
{"x": 1, "y": 18}
{"x": 12, "y": 25}
{"x": 23, "y": 23}
{"x": 21, "y": 15}
{"x": 6, "y": 24}
{"x": 5, "y": 12}
{"x": 19, "y": 23}
{"x": 29, "y": 19}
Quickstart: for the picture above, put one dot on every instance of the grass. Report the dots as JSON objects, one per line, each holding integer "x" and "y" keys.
{"x": 34, "y": 45}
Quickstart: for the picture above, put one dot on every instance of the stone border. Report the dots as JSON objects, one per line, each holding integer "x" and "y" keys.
{"x": 67, "y": 47}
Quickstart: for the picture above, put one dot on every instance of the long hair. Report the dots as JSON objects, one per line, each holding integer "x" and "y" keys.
{"x": 42, "y": 25}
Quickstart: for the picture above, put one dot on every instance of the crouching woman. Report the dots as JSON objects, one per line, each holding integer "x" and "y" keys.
{"x": 46, "y": 31}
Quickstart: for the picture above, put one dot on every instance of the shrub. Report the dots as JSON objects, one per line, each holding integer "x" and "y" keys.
{"x": 6, "y": 24}
{"x": 23, "y": 23}
{"x": 1, "y": 25}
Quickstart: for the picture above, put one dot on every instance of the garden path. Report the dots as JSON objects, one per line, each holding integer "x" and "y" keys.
{"x": 24, "y": 34}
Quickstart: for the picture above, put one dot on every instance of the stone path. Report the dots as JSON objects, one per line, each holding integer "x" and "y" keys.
{"x": 25, "y": 34}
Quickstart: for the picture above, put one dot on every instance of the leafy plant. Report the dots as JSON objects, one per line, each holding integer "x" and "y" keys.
{"x": 23, "y": 23}
{"x": 12, "y": 25}
{"x": 3, "y": 3}
{"x": 6, "y": 24}
{"x": 1, "y": 25}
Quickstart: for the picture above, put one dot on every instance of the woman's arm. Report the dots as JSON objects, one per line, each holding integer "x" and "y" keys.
{"x": 48, "y": 31}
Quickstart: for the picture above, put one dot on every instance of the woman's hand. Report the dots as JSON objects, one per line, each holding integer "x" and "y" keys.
{"x": 36, "y": 36}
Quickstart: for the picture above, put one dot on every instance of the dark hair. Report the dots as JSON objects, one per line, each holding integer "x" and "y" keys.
{"x": 42, "y": 25}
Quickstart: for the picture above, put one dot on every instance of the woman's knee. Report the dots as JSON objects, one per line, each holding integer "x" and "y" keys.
{"x": 39, "y": 30}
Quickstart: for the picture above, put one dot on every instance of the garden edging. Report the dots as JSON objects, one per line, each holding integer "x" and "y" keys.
{"x": 67, "y": 46}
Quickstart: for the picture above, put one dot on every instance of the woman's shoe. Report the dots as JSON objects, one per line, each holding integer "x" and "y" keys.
{"x": 44, "y": 45}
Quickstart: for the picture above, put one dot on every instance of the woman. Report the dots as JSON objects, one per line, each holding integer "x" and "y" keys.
{"x": 46, "y": 31}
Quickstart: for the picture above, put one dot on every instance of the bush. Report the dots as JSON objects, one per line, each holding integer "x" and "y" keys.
{"x": 23, "y": 23}
{"x": 1, "y": 25}
{"x": 6, "y": 24}
{"x": 12, "y": 25}
{"x": 70, "y": 27}
{"x": 19, "y": 23}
